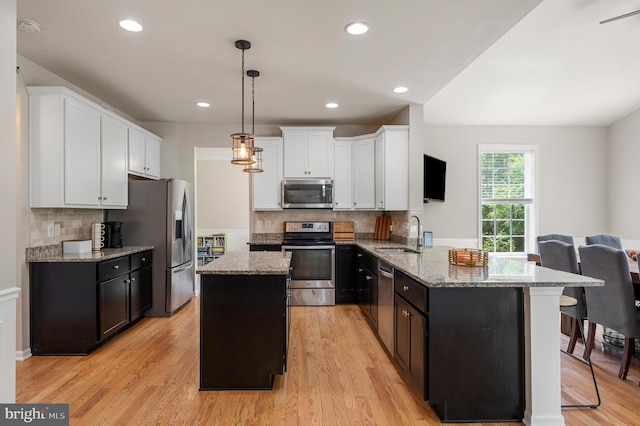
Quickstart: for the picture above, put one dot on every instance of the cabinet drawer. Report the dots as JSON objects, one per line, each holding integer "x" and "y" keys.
{"x": 368, "y": 261}
{"x": 411, "y": 290}
{"x": 140, "y": 260}
{"x": 113, "y": 268}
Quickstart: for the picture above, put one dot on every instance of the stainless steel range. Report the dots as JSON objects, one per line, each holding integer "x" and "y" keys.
{"x": 313, "y": 262}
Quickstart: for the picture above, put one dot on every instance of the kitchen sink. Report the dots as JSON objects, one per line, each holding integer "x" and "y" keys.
{"x": 396, "y": 250}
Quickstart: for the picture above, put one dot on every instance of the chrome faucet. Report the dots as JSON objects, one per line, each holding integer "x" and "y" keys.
{"x": 419, "y": 242}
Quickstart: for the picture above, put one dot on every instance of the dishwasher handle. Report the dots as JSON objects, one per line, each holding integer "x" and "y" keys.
{"x": 385, "y": 271}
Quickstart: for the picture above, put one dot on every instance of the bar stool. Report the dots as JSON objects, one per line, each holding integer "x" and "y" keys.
{"x": 567, "y": 302}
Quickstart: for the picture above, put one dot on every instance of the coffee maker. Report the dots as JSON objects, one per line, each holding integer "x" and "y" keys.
{"x": 113, "y": 234}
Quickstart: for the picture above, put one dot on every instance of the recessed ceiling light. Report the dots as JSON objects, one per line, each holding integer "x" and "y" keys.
{"x": 203, "y": 104}
{"x": 130, "y": 25}
{"x": 332, "y": 105}
{"x": 400, "y": 89}
{"x": 357, "y": 28}
{"x": 29, "y": 25}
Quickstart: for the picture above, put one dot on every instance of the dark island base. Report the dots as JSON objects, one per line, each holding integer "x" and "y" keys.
{"x": 242, "y": 331}
{"x": 476, "y": 354}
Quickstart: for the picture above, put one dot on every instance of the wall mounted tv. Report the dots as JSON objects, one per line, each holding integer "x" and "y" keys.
{"x": 435, "y": 174}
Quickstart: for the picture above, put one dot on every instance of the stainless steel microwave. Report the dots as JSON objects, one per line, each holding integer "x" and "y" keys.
{"x": 307, "y": 194}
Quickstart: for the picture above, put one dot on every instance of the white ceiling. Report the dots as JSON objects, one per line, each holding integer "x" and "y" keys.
{"x": 555, "y": 66}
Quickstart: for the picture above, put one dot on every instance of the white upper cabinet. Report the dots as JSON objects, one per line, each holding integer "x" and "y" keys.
{"x": 77, "y": 151}
{"x": 114, "y": 184}
{"x": 392, "y": 168}
{"x": 81, "y": 153}
{"x": 364, "y": 174}
{"x": 265, "y": 186}
{"x": 308, "y": 152}
{"x": 144, "y": 153}
{"x": 342, "y": 191}
{"x": 354, "y": 180}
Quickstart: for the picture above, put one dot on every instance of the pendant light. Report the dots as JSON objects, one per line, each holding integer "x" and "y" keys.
{"x": 242, "y": 142}
{"x": 256, "y": 156}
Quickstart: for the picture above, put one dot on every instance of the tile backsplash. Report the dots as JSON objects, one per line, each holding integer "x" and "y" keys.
{"x": 52, "y": 226}
{"x": 365, "y": 221}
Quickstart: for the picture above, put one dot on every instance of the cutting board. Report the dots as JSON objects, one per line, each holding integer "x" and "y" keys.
{"x": 343, "y": 231}
{"x": 383, "y": 228}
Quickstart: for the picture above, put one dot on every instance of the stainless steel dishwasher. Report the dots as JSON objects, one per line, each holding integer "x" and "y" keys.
{"x": 385, "y": 304}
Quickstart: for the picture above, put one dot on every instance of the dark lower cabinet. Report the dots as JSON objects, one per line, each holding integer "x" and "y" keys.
{"x": 140, "y": 292}
{"x": 77, "y": 306}
{"x": 113, "y": 305}
{"x": 411, "y": 343}
{"x": 346, "y": 278}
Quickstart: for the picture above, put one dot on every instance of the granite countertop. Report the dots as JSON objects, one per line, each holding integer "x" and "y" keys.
{"x": 248, "y": 263}
{"x": 92, "y": 256}
{"x": 432, "y": 269}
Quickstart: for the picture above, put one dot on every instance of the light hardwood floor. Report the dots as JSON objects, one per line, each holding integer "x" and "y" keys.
{"x": 338, "y": 374}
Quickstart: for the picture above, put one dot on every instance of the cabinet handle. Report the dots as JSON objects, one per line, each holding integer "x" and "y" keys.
{"x": 360, "y": 269}
{"x": 99, "y": 198}
{"x": 116, "y": 266}
{"x": 405, "y": 288}
{"x": 359, "y": 254}
{"x": 144, "y": 259}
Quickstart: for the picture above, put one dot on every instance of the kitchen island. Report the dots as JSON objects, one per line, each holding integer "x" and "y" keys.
{"x": 244, "y": 320}
{"x": 462, "y": 289}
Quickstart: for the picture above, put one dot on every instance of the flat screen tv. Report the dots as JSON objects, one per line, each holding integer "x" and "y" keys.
{"x": 435, "y": 174}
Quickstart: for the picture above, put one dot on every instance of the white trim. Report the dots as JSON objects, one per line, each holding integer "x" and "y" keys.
{"x": 23, "y": 355}
{"x": 8, "y": 327}
{"x": 456, "y": 242}
{"x": 531, "y": 204}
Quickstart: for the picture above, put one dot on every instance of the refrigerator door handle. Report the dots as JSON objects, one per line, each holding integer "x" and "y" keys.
{"x": 182, "y": 267}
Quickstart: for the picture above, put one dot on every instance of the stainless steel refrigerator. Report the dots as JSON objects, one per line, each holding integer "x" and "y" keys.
{"x": 160, "y": 214}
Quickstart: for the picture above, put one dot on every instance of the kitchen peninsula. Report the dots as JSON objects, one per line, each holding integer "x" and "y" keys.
{"x": 244, "y": 320}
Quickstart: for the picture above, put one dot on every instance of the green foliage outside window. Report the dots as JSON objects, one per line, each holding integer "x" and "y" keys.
{"x": 503, "y": 221}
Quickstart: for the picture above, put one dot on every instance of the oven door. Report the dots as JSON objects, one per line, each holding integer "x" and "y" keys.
{"x": 312, "y": 275}
{"x": 312, "y": 266}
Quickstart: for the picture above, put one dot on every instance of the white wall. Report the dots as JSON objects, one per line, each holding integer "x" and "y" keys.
{"x": 572, "y": 181}
{"x": 624, "y": 177}
{"x": 9, "y": 285}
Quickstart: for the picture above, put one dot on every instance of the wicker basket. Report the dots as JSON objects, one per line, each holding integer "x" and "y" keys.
{"x": 468, "y": 257}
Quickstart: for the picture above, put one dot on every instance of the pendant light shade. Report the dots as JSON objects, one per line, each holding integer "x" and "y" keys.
{"x": 256, "y": 167}
{"x": 242, "y": 142}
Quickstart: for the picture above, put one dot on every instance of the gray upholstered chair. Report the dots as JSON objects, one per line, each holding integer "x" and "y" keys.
{"x": 613, "y": 305}
{"x": 577, "y": 293}
{"x": 555, "y": 237}
{"x": 561, "y": 256}
{"x": 605, "y": 240}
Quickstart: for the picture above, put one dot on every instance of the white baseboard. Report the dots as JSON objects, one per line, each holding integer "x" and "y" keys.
{"x": 23, "y": 355}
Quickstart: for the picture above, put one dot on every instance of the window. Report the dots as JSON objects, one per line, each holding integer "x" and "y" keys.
{"x": 507, "y": 202}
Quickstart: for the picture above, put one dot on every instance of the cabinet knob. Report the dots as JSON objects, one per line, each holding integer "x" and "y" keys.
{"x": 104, "y": 198}
{"x": 133, "y": 279}
{"x": 116, "y": 266}
{"x": 144, "y": 259}
{"x": 127, "y": 281}
{"x": 99, "y": 198}
{"x": 405, "y": 288}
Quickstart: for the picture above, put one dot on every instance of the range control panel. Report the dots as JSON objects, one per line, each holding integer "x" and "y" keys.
{"x": 307, "y": 227}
